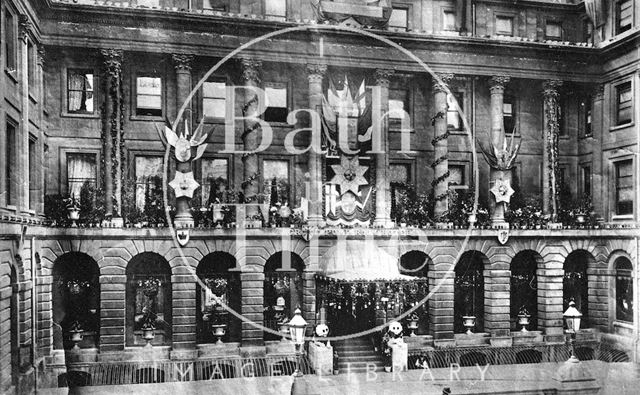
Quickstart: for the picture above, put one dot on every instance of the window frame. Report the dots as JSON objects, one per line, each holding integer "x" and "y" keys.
{"x": 588, "y": 31}
{"x": 465, "y": 174}
{"x": 64, "y": 111}
{"x": 32, "y": 201}
{"x": 10, "y": 44}
{"x": 396, "y": 84}
{"x": 277, "y": 85}
{"x": 199, "y": 172}
{"x": 583, "y": 187}
{"x": 10, "y": 193}
{"x": 134, "y": 94}
{"x": 501, "y": 15}
{"x": 146, "y": 154}
{"x": 617, "y": 93}
{"x": 274, "y": 17}
{"x": 509, "y": 98}
{"x": 618, "y": 29}
{"x": 290, "y": 168}
{"x": 628, "y": 274}
{"x": 209, "y": 118}
{"x": 65, "y": 151}
{"x": 615, "y": 162}
{"x": 586, "y": 116}
{"x": 403, "y": 7}
{"x": 443, "y": 26}
{"x": 558, "y": 23}
{"x": 453, "y": 110}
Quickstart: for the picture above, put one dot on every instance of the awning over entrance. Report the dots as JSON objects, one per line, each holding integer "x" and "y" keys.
{"x": 360, "y": 260}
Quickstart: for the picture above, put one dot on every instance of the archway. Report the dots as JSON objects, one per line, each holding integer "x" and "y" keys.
{"x": 469, "y": 291}
{"x": 148, "y": 298}
{"x": 524, "y": 288}
{"x": 575, "y": 283}
{"x": 283, "y": 286}
{"x": 76, "y": 299}
{"x": 416, "y": 264}
{"x": 624, "y": 289}
{"x": 216, "y": 272}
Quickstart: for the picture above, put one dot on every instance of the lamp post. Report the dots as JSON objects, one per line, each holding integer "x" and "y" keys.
{"x": 572, "y": 317}
{"x": 297, "y": 327}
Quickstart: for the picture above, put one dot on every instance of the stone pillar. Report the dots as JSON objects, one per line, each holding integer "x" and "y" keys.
{"x": 440, "y": 165}
{"x": 22, "y": 144}
{"x": 252, "y": 307}
{"x": 182, "y": 64}
{"x": 40, "y": 148}
{"x": 497, "y": 85}
{"x": 550, "y": 292}
{"x": 440, "y": 305}
{"x": 315, "y": 74}
{"x": 183, "y": 319}
{"x": 112, "y": 310}
{"x": 251, "y": 76}
{"x": 112, "y": 132}
{"x": 383, "y": 189}
{"x": 497, "y": 296}
{"x": 598, "y": 190}
{"x": 550, "y": 146}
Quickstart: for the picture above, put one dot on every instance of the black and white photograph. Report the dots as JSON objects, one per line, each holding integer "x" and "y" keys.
{"x": 319, "y": 197}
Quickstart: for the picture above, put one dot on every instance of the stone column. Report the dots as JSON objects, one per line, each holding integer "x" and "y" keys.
{"x": 112, "y": 132}
{"x": 40, "y": 147}
{"x": 22, "y": 145}
{"x": 440, "y": 165}
{"x": 252, "y": 307}
{"x": 182, "y": 64}
{"x": 550, "y": 146}
{"x": 383, "y": 189}
{"x": 497, "y": 85}
{"x": 315, "y": 73}
{"x": 251, "y": 76}
{"x": 597, "y": 176}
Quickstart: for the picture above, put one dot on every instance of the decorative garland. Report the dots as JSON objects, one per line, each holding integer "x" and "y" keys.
{"x": 439, "y": 160}
{"x": 551, "y": 109}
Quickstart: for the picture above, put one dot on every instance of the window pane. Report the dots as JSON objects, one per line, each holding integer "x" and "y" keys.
{"x": 553, "y": 30}
{"x": 10, "y": 40}
{"x": 396, "y": 109}
{"x": 456, "y": 175}
{"x": 454, "y": 120}
{"x": 449, "y": 20}
{"x": 276, "y": 97}
{"x": 146, "y": 168}
{"x": 277, "y": 170}
{"x": 398, "y": 18}
{"x": 80, "y": 91}
{"x": 504, "y": 25}
{"x": 276, "y": 7}
{"x": 214, "y": 89}
{"x": 624, "y": 290}
{"x": 151, "y": 102}
{"x": 624, "y": 188}
{"x": 11, "y": 179}
{"x": 215, "y": 174}
{"x": 214, "y": 108}
{"x": 81, "y": 168}
{"x": 399, "y": 173}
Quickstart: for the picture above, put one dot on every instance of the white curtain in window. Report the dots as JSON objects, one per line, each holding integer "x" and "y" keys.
{"x": 76, "y": 89}
{"x": 80, "y": 168}
{"x": 146, "y": 167}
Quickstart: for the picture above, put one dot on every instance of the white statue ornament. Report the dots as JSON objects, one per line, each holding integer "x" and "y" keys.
{"x": 183, "y": 145}
{"x": 349, "y": 175}
{"x": 184, "y": 184}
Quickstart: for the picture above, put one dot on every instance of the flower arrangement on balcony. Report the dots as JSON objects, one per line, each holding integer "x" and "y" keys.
{"x": 411, "y": 208}
{"x": 281, "y": 286}
{"x": 579, "y": 213}
{"x": 150, "y": 286}
{"x": 217, "y": 285}
{"x": 528, "y": 215}
{"x": 75, "y": 286}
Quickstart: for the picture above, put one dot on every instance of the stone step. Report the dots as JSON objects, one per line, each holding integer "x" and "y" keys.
{"x": 356, "y": 352}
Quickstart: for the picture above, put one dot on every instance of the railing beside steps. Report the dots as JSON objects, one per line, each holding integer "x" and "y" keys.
{"x": 521, "y": 354}
{"x": 145, "y": 372}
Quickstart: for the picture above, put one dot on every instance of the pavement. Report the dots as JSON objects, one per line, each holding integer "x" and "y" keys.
{"x": 613, "y": 378}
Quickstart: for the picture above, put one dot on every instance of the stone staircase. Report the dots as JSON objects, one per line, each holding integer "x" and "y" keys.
{"x": 354, "y": 355}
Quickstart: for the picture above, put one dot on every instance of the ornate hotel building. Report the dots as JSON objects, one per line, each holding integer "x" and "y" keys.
{"x": 353, "y": 235}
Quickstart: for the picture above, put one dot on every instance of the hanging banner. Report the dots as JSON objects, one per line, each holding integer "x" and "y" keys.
{"x": 595, "y": 10}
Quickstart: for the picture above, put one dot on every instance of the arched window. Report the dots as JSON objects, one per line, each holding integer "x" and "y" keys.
{"x": 215, "y": 273}
{"x": 524, "y": 288}
{"x": 624, "y": 290}
{"x": 575, "y": 284}
{"x": 76, "y": 300}
{"x": 15, "y": 331}
{"x": 469, "y": 291}
{"x": 282, "y": 289}
{"x": 414, "y": 263}
{"x": 148, "y": 299}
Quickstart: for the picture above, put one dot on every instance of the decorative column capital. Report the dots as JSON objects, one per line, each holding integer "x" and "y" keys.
{"x": 550, "y": 88}
{"x": 182, "y": 62}
{"x": 251, "y": 69}
{"x": 598, "y": 92}
{"x": 441, "y": 81}
{"x": 382, "y": 77}
{"x": 41, "y": 55}
{"x": 497, "y": 83}
{"x": 24, "y": 26}
{"x": 316, "y": 71}
{"x": 112, "y": 59}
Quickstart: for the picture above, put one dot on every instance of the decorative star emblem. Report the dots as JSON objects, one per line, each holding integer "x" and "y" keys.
{"x": 349, "y": 175}
{"x": 502, "y": 191}
{"x": 184, "y": 184}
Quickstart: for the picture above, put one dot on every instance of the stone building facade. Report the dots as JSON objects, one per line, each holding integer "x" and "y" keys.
{"x": 88, "y": 87}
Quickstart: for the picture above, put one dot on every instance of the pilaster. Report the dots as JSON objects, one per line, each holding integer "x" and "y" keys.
{"x": 252, "y": 285}
{"x": 251, "y": 77}
{"x": 550, "y": 147}
{"x": 440, "y": 165}
{"x": 315, "y": 74}
{"x": 383, "y": 189}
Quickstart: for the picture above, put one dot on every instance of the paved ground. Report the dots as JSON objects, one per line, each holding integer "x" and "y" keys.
{"x": 613, "y": 378}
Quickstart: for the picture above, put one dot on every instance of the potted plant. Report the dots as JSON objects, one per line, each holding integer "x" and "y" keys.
{"x": 150, "y": 286}
{"x": 73, "y": 209}
{"x": 217, "y": 285}
{"x": 148, "y": 328}
{"x": 523, "y": 318}
{"x": 76, "y": 286}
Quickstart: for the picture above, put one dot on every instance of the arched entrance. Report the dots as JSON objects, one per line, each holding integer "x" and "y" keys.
{"x": 416, "y": 264}
{"x": 283, "y": 286}
{"x": 148, "y": 299}
{"x": 524, "y": 288}
{"x": 624, "y": 290}
{"x": 575, "y": 283}
{"x": 76, "y": 300}
{"x": 469, "y": 291}
{"x": 216, "y": 271}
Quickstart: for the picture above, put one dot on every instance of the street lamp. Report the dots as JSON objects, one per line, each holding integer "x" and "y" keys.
{"x": 572, "y": 317}
{"x": 297, "y": 327}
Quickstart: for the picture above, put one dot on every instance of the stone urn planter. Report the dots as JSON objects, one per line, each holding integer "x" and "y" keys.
{"x": 148, "y": 334}
{"x": 76, "y": 337}
{"x": 523, "y": 320}
{"x": 218, "y": 331}
{"x": 74, "y": 216}
{"x": 412, "y": 324}
{"x": 469, "y": 321}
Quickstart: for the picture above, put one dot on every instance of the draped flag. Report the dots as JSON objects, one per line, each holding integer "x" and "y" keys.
{"x": 595, "y": 10}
